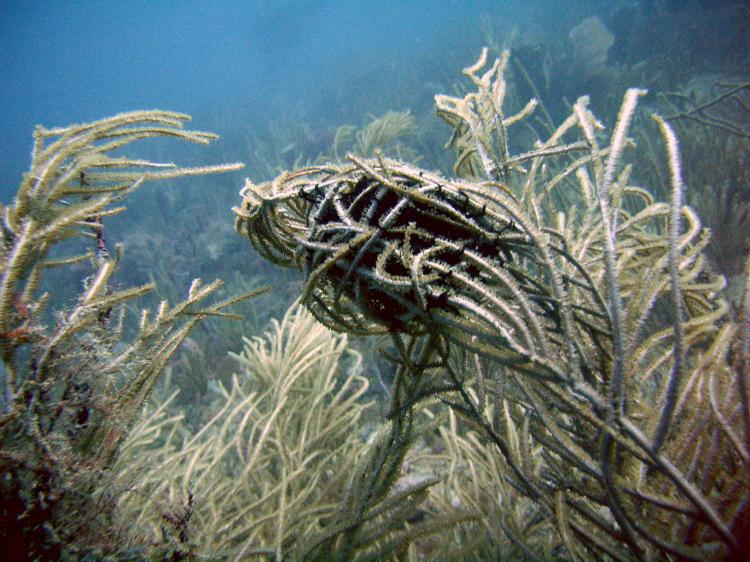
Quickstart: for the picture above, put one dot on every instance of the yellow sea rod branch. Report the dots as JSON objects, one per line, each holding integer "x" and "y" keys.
{"x": 675, "y": 376}
{"x": 12, "y": 270}
{"x": 743, "y": 369}
{"x": 609, "y": 224}
{"x": 616, "y": 397}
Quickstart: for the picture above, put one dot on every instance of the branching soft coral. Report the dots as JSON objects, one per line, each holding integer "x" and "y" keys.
{"x": 72, "y": 390}
{"x": 598, "y": 329}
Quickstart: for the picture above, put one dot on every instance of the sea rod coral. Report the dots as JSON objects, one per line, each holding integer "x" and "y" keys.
{"x": 73, "y": 383}
{"x": 597, "y": 327}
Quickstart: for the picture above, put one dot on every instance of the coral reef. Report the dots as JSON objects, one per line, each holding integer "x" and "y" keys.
{"x": 596, "y": 327}
{"x": 570, "y": 380}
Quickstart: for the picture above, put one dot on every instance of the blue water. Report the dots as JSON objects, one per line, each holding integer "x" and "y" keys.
{"x": 67, "y": 62}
